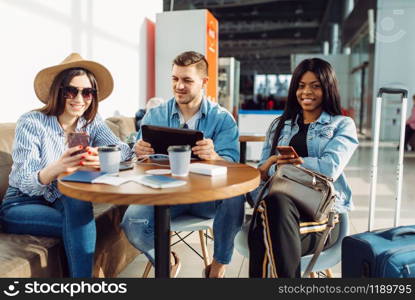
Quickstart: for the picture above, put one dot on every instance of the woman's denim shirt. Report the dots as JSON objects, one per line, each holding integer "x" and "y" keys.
{"x": 331, "y": 141}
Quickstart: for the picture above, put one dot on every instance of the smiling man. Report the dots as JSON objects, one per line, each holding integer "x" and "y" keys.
{"x": 190, "y": 109}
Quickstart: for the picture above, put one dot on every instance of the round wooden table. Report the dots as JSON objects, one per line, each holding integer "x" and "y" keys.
{"x": 239, "y": 180}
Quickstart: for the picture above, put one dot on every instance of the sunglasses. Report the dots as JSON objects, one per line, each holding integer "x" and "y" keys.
{"x": 71, "y": 92}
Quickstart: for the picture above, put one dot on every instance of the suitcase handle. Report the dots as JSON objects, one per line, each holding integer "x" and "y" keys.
{"x": 374, "y": 169}
{"x": 398, "y": 232}
{"x": 404, "y": 92}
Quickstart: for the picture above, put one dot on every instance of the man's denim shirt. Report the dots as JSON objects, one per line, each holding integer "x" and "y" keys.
{"x": 215, "y": 122}
{"x": 331, "y": 141}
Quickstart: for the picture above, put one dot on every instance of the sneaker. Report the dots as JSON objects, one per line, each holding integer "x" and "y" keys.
{"x": 175, "y": 265}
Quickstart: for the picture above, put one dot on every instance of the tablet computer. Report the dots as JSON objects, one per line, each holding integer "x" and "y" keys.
{"x": 161, "y": 137}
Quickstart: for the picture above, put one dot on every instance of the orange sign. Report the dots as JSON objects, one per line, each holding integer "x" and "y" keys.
{"x": 151, "y": 69}
{"x": 212, "y": 50}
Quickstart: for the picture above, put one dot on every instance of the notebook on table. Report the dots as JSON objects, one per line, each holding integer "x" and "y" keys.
{"x": 83, "y": 176}
{"x": 154, "y": 181}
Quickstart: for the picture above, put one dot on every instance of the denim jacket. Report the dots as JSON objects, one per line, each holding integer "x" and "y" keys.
{"x": 331, "y": 141}
{"x": 215, "y": 122}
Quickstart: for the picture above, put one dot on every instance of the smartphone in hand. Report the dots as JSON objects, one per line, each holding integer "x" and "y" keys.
{"x": 287, "y": 150}
{"x": 78, "y": 139}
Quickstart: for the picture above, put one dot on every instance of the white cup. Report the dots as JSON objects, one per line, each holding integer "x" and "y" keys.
{"x": 109, "y": 159}
{"x": 179, "y": 158}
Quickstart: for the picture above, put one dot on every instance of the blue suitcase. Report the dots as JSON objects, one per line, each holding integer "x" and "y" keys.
{"x": 388, "y": 252}
{"x": 381, "y": 253}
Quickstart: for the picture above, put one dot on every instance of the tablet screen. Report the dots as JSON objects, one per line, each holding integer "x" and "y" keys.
{"x": 161, "y": 137}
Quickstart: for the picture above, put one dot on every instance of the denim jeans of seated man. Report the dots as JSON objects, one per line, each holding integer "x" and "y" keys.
{"x": 138, "y": 224}
{"x": 67, "y": 218}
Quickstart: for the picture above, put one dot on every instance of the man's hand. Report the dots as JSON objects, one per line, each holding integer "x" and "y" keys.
{"x": 206, "y": 150}
{"x": 142, "y": 148}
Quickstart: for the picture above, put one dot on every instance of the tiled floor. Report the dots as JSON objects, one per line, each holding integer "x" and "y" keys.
{"x": 358, "y": 174}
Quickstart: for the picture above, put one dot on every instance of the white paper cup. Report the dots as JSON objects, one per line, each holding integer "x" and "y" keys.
{"x": 179, "y": 158}
{"x": 109, "y": 159}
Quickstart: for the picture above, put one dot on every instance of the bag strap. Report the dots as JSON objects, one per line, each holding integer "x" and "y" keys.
{"x": 248, "y": 198}
{"x": 322, "y": 241}
{"x": 262, "y": 191}
{"x": 257, "y": 200}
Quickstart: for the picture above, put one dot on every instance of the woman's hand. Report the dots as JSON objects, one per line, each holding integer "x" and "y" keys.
{"x": 279, "y": 160}
{"x": 289, "y": 159}
{"x": 263, "y": 169}
{"x": 66, "y": 163}
{"x": 90, "y": 159}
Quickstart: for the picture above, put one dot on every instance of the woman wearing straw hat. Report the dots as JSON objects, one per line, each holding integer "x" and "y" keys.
{"x": 71, "y": 92}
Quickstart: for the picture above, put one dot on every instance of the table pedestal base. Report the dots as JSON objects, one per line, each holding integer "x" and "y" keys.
{"x": 162, "y": 240}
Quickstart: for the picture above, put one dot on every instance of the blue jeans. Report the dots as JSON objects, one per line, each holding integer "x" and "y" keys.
{"x": 66, "y": 218}
{"x": 138, "y": 224}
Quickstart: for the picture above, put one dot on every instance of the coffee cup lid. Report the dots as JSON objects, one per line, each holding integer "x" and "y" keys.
{"x": 109, "y": 148}
{"x": 178, "y": 148}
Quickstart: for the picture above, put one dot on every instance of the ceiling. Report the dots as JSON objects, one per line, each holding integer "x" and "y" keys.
{"x": 263, "y": 34}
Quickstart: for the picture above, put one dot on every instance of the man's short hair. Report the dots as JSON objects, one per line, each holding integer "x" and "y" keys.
{"x": 189, "y": 58}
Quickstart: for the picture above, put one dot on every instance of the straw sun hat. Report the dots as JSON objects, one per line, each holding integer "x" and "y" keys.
{"x": 44, "y": 79}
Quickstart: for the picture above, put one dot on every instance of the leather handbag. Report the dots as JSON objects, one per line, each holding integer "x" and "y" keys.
{"x": 313, "y": 194}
